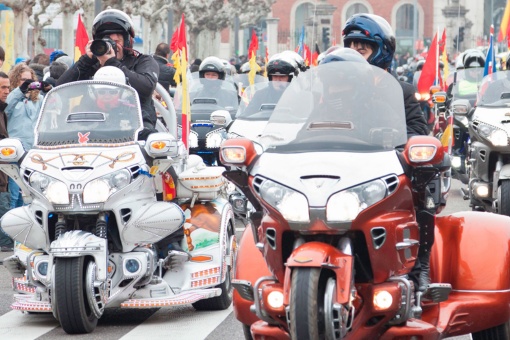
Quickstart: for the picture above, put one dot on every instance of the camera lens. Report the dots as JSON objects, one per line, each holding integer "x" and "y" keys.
{"x": 99, "y": 47}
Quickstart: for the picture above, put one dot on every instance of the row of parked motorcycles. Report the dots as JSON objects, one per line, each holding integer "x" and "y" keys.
{"x": 328, "y": 196}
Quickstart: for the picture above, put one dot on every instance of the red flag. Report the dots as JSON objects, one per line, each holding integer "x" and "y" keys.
{"x": 430, "y": 70}
{"x": 178, "y": 41}
{"x": 315, "y": 55}
{"x": 82, "y": 38}
{"x": 254, "y": 45}
{"x": 307, "y": 55}
{"x": 504, "y": 28}
{"x": 442, "y": 42}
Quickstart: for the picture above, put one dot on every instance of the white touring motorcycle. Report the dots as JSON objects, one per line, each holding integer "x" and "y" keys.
{"x": 93, "y": 221}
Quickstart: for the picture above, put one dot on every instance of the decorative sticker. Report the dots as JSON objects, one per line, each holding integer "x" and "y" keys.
{"x": 83, "y": 138}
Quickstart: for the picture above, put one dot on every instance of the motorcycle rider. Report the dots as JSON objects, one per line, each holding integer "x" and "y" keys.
{"x": 210, "y": 72}
{"x": 468, "y": 86}
{"x": 373, "y": 37}
{"x": 141, "y": 70}
{"x": 280, "y": 72}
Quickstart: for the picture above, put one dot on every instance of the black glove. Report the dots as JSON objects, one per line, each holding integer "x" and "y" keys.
{"x": 45, "y": 86}
{"x": 24, "y": 87}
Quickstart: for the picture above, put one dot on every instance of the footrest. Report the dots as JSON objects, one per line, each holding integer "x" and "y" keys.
{"x": 183, "y": 298}
{"x": 437, "y": 292}
{"x": 25, "y": 303}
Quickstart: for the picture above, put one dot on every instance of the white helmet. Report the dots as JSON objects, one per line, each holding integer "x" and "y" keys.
{"x": 111, "y": 73}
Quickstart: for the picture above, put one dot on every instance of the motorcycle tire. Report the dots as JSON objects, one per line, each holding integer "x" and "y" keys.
{"x": 501, "y": 332}
{"x": 247, "y": 332}
{"x": 74, "y": 313}
{"x": 504, "y": 198}
{"x": 306, "y": 312}
{"x": 223, "y": 301}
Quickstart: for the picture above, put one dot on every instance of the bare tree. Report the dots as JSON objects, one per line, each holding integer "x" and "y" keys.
{"x": 43, "y": 14}
{"x": 207, "y": 18}
{"x": 22, "y": 9}
{"x": 68, "y": 8}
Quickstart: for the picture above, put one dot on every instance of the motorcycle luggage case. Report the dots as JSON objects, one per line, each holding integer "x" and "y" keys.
{"x": 206, "y": 181}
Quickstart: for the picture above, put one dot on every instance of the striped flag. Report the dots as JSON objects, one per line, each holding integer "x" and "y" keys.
{"x": 503, "y": 28}
{"x": 490, "y": 59}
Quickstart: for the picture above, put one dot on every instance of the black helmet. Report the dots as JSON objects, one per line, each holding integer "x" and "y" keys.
{"x": 376, "y": 31}
{"x": 279, "y": 65}
{"x": 473, "y": 58}
{"x": 113, "y": 21}
{"x": 212, "y": 64}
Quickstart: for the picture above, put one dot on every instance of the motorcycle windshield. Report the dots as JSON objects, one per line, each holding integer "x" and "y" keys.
{"x": 214, "y": 92}
{"x": 467, "y": 83}
{"x": 495, "y": 90}
{"x": 259, "y": 100}
{"x": 338, "y": 106}
{"x": 89, "y": 112}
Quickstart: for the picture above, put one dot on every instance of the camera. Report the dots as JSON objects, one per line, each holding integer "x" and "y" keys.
{"x": 35, "y": 86}
{"x": 102, "y": 46}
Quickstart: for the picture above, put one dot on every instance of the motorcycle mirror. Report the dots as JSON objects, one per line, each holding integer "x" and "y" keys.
{"x": 221, "y": 118}
{"x": 237, "y": 152}
{"x": 162, "y": 144}
{"x": 461, "y": 107}
{"x": 423, "y": 150}
{"x": 11, "y": 150}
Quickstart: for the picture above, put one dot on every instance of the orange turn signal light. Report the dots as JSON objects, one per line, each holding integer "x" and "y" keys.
{"x": 158, "y": 145}
{"x": 422, "y": 153}
{"x": 234, "y": 154}
{"x": 8, "y": 151}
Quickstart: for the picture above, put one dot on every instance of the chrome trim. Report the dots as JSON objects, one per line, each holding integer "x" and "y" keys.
{"x": 258, "y": 305}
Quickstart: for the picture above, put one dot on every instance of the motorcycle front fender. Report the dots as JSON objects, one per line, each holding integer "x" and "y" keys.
{"x": 325, "y": 256}
{"x": 78, "y": 243}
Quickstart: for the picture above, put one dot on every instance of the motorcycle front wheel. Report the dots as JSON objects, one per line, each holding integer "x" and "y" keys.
{"x": 504, "y": 198}
{"x": 306, "y": 304}
{"x": 74, "y": 312}
{"x": 501, "y": 332}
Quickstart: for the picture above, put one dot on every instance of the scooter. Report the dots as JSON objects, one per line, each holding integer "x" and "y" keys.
{"x": 329, "y": 253}
{"x": 93, "y": 228}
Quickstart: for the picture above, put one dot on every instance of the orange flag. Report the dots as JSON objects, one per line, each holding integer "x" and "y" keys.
{"x": 82, "y": 38}
{"x": 504, "y": 27}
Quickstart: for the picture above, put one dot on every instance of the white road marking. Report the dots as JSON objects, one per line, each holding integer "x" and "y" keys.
{"x": 178, "y": 323}
{"x": 18, "y": 325}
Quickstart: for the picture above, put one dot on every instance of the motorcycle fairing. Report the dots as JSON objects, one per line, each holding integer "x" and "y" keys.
{"x": 274, "y": 166}
{"x": 469, "y": 248}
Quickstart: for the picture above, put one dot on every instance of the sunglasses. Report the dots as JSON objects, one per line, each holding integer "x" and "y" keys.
{"x": 103, "y": 92}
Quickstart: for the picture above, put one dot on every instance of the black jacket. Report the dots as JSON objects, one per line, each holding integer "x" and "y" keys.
{"x": 166, "y": 72}
{"x": 416, "y": 124}
{"x": 142, "y": 72}
{"x": 3, "y": 134}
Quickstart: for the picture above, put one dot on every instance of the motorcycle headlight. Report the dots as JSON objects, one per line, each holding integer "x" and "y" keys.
{"x": 345, "y": 206}
{"x": 98, "y": 190}
{"x": 291, "y": 204}
{"x": 214, "y": 138}
{"x": 55, "y": 191}
{"x": 498, "y": 138}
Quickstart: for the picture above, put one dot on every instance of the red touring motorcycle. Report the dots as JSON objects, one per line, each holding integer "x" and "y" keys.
{"x": 335, "y": 236}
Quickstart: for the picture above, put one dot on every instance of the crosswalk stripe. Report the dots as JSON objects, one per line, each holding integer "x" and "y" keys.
{"x": 17, "y": 325}
{"x": 178, "y": 323}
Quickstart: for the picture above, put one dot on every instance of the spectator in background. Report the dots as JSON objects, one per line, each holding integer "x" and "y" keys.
{"x": 23, "y": 105}
{"x": 2, "y": 56}
{"x": 56, "y": 54}
{"x": 195, "y": 65}
{"x": 57, "y": 68}
{"x": 166, "y": 70}
{"x": 6, "y": 243}
{"x": 38, "y": 63}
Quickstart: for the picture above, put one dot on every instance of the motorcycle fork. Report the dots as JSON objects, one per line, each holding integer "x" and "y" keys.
{"x": 100, "y": 231}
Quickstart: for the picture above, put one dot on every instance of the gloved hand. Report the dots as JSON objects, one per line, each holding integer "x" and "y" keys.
{"x": 46, "y": 86}
{"x": 24, "y": 87}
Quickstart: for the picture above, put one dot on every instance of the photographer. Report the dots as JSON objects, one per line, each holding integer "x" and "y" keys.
{"x": 23, "y": 105}
{"x": 112, "y": 45}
